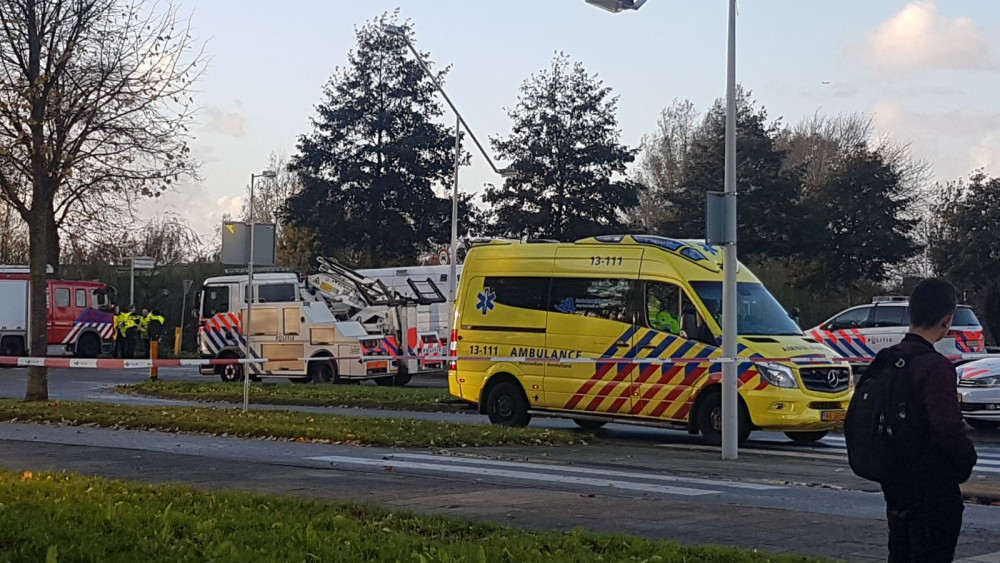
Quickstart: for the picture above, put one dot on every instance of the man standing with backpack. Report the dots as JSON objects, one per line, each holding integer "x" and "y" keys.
{"x": 904, "y": 429}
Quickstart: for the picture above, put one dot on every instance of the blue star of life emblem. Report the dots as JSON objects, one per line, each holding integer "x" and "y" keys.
{"x": 708, "y": 248}
{"x": 486, "y": 299}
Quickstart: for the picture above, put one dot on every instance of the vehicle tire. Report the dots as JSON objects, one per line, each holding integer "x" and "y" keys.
{"x": 88, "y": 346}
{"x": 13, "y": 347}
{"x": 321, "y": 371}
{"x": 979, "y": 424}
{"x": 506, "y": 405}
{"x": 806, "y": 437}
{"x": 229, "y": 372}
{"x": 588, "y": 424}
{"x": 402, "y": 379}
{"x": 710, "y": 420}
{"x": 387, "y": 381}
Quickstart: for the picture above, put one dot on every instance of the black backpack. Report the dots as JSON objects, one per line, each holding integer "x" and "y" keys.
{"x": 882, "y": 443}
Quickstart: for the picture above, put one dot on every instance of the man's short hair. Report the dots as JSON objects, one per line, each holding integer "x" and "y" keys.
{"x": 932, "y": 300}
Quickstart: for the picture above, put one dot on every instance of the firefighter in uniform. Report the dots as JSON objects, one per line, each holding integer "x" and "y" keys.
{"x": 118, "y": 319}
{"x": 143, "y": 322}
{"x": 127, "y": 329}
{"x": 152, "y": 326}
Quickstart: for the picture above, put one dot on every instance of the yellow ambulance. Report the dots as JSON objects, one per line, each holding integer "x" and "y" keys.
{"x": 623, "y": 328}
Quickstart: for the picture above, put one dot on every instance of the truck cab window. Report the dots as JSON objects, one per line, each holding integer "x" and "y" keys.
{"x": 62, "y": 297}
{"x": 216, "y": 300}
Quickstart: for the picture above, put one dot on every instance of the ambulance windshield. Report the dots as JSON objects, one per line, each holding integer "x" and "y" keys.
{"x": 758, "y": 312}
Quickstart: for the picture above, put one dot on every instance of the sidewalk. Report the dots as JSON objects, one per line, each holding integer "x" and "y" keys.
{"x": 268, "y": 467}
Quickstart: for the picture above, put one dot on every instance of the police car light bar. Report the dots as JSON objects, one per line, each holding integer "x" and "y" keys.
{"x": 890, "y": 299}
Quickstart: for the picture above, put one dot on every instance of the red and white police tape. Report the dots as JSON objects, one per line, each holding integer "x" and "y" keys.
{"x": 14, "y": 361}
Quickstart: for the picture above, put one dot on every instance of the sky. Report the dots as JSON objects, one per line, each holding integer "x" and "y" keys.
{"x": 927, "y": 71}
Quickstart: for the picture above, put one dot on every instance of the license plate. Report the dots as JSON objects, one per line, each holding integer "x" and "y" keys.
{"x": 833, "y": 415}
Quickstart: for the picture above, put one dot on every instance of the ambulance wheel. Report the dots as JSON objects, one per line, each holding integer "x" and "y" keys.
{"x": 88, "y": 346}
{"x": 507, "y": 406}
{"x": 387, "y": 381}
{"x": 321, "y": 371}
{"x": 402, "y": 378}
{"x": 588, "y": 424}
{"x": 710, "y": 419}
{"x": 979, "y": 424}
{"x": 806, "y": 437}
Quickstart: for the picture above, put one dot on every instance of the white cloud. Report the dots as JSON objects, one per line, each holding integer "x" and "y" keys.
{"x": 920, "y": 37}
{"x": 228, "y": 123}
{"x": 233, "y": 205}
{"x": 956, "y": 142}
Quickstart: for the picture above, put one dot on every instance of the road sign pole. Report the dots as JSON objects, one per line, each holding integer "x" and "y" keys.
{"x": 131, "y": 283}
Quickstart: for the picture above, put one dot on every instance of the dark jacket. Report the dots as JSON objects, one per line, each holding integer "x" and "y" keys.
{"x": 948, "y": 454}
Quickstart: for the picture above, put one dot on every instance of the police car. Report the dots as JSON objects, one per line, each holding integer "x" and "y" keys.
{"x": 860, "y": 332}
{"x": 979, "y": 393}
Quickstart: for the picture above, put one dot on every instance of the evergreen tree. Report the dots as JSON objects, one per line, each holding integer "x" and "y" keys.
{"x": 965, "y": 242}
{"x": 567, "y": 156}
{"x": 767, "y": 193}
{"x": 369, "y": 167}
{"x": 856, "y": 223}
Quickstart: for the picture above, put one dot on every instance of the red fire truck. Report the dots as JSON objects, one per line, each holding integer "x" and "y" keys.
{"x": 80, "y": 321}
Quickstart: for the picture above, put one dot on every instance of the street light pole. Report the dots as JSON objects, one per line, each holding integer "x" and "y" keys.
{"x": 453, "y": 255}
{"x": 730, "y": 390}
{"x": 400, "y": 31}
{"x": 250, "y": 296}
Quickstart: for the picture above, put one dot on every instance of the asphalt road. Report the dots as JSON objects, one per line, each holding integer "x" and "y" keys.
{"x": 658, "y": 483}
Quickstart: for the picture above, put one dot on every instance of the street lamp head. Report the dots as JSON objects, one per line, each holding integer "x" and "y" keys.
{"x": 397, "y": 30}
{"x": 268, "y": 174}
{"x": 507, "y": 172}
{"x": 615, "y": 6}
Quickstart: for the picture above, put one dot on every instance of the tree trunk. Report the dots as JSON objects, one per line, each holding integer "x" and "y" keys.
{"x": 52, "y": 243}
{"x": 38, "y": 377}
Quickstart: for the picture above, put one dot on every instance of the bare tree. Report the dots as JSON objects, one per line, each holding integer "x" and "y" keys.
{"x": 662, "y": 163}
{"x": 13, "y": 236}
{"x": 94, "y": 103}
{"x": 270, "y": 194}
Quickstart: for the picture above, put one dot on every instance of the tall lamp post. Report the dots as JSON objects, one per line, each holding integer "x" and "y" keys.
{"x": 730, "y": 390}
{"x": 250, "y": 295}
{"x": 400, "y": 31}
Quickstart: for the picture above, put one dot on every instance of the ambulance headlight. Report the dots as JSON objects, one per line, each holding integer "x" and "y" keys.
{"x": 777, "y": 375}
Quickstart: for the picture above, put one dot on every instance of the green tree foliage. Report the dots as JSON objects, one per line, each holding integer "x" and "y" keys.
{"x": 369, "y": 167}
{"x": 567, "y": 156}
{"x": 767, "y": 192}
{"x": 856, "y": 225}
{"x": 965, "y": 241}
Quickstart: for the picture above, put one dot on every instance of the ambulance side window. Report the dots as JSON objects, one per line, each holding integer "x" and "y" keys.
{"x": 216, "y": 301}
{"x": 663, "y": 307}
{"x": 62, "y": 297}
{"x": 524, "y": 293}
{"x": 81, "y": 298}
{"x": 601, "y": 298}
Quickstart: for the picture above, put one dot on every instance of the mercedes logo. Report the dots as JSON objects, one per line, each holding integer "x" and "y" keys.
{"x": 833, "y": 378}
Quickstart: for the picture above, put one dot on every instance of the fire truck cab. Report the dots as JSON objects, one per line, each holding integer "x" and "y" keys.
{"x": 79, "y": 321}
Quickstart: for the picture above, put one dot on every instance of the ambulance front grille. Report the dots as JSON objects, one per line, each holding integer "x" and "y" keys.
{"x": 826, "y": 380}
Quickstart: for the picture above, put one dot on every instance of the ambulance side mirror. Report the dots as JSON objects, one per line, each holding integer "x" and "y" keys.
{"x": 194, "y": 313}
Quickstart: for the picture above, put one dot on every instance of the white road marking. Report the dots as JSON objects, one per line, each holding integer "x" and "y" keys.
{"x": 988, "y": 462}
{"x": 589, "y": 471}
{"x": 517, "y": 475}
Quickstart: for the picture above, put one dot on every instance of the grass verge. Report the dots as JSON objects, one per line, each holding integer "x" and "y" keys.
{"x": 323, "y": 428}
{"x": 359, "y": 396}
{"x": 74, "y": 518}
